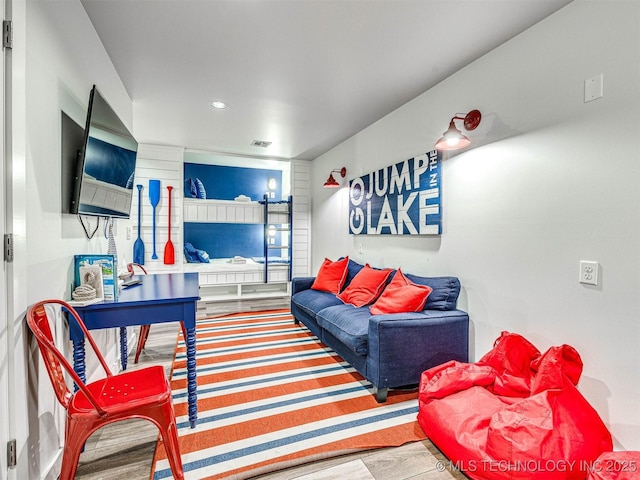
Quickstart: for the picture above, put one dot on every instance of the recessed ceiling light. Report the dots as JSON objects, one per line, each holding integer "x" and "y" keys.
{"x": 218, "y": 104}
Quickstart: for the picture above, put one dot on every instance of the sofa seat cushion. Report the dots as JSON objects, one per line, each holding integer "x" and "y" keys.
{"x": 348, "y": 324}
{"x": 312, "y": 301}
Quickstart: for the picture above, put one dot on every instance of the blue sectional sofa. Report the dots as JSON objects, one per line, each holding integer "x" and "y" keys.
{"x": 391, "y": 350}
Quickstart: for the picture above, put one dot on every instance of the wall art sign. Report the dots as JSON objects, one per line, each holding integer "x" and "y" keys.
{"x": 402, "y": 199}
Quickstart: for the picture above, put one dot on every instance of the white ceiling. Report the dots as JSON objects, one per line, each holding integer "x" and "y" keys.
{"x": 303, "y": 74}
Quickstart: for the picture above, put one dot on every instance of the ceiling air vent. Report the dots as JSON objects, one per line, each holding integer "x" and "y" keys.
{"x": 260, "y": 143}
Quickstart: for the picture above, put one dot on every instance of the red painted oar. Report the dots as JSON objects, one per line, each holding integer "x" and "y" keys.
{"x": 169, "y": 255}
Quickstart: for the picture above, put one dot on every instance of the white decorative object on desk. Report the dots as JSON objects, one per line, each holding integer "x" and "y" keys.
{"x": 91, "y": 275}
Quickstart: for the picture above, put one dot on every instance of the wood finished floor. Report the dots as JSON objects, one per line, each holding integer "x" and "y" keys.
{"x": 124, "y": 451}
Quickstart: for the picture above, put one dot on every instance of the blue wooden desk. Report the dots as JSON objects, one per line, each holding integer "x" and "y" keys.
{"x": 166, "y": 297}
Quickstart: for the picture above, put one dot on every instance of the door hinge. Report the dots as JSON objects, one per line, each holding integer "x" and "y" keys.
{"x": 8, "y": 247}
{"x": 7, "y": 34}
{"x": 12, "y": 459}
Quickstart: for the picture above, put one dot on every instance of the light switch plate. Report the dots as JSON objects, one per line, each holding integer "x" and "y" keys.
{"x": 593, "y": 88}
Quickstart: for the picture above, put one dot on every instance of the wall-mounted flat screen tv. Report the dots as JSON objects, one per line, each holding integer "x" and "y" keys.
{"x": 105, "y": 165}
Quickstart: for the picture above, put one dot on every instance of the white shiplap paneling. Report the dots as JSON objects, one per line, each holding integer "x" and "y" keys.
{"x": 301, "y": 183}
{"x": 164, "y": 164}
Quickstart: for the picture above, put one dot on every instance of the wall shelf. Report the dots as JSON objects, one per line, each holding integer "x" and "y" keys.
{"x": 222, "y": 211}
{"x": 244, "y": 291}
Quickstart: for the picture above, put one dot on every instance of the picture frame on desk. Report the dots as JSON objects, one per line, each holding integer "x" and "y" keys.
{"x": 92, "y": 275}
{"x": 109, "y": 268}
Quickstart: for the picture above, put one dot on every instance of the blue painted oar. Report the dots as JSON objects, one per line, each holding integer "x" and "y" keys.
{"x": 138, "y": 246}
{"x": 154, "y": 198}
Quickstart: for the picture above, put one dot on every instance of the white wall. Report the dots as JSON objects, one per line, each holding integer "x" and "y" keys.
{"x": 551, "y": 180}
{"x": 62, "y": 58}
{"x": 545, "y": 188}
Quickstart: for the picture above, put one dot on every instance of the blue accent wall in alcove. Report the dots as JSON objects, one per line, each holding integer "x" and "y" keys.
{"x": 226, "y": 183}
{"x": 225, "y": 240}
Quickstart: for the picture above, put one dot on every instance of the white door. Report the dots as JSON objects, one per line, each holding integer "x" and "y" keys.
{"x": 5, "y": 342}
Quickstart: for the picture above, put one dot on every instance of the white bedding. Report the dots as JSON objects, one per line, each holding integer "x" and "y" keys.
{"x": 225, "y": 265}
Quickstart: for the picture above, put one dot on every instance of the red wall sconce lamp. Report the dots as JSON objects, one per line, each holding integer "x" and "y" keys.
{"x": 331, "y": 182}
{"x": 454, "y": 139}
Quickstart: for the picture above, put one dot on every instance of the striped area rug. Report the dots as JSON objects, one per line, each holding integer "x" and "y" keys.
{"x": 270, "y": 396}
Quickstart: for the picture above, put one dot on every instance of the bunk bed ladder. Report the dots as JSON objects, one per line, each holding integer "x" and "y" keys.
{"x": 290, "y": 251}
{"x": 265, "y": 241}
{"x": 287, "y": 228}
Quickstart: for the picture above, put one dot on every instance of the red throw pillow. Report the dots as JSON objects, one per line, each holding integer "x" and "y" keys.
{"x": 365, "y": 287}
{"x": 401, "y": 295}
{"x": 331, "y": 275}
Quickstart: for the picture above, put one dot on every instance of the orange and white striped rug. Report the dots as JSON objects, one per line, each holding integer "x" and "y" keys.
{"x": 270, "y": 396}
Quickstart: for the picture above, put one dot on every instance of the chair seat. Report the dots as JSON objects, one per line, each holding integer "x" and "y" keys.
{"x": 134, "y": 387}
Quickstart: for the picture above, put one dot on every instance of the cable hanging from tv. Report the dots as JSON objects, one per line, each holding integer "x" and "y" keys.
{"x": 87, "y": 227}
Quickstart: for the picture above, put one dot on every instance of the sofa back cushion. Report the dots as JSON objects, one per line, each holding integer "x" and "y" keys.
{"x": 352, "y": 270}
{"x": 445, "y": 291}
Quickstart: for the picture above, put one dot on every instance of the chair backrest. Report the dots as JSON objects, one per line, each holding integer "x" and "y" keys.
{"x": 54, "y": 360}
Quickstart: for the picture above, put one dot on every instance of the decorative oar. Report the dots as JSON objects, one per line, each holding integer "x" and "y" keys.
{"x": 138, "y": 246}
{"x": 154, "y": 198}
{"x": 168, "y": 248}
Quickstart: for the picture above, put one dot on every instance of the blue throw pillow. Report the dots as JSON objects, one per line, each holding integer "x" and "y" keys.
{"x": 194, "y": 188}
{"x": 195, "y": 255}
{"x": 190, "y": 190}
{"x": 200, "y": 191}
{"x": 190, "y": 253}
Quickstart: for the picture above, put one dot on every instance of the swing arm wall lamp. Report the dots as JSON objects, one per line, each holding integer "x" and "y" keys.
{"x": 331, "y": 181}
{"x": 454, "y": 139}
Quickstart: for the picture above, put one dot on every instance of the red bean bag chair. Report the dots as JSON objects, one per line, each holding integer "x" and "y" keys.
{"x": 513, "y": 415}
{"x": 615, "y": 466}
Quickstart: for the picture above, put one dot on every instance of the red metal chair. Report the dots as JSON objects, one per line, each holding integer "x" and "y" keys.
{"x": 143, "y": 393}
{"x": 144, "y": 329}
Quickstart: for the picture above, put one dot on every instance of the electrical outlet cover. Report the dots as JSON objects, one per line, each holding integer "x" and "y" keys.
{"x": 588, "y": 272}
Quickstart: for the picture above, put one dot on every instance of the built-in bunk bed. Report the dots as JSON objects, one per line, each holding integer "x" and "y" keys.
{"x": 237, "y": 276}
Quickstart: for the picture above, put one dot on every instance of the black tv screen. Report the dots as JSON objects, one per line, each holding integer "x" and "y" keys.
{"x": 106, "y": 163}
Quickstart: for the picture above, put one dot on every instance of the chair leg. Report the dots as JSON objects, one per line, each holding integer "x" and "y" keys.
{"x": 184, "y": 331}
{"x": 75, "y": 438}
{"x": 171, "y": 446}
{"x": 142, "y": 339}
{"x": 165, "y": 419}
